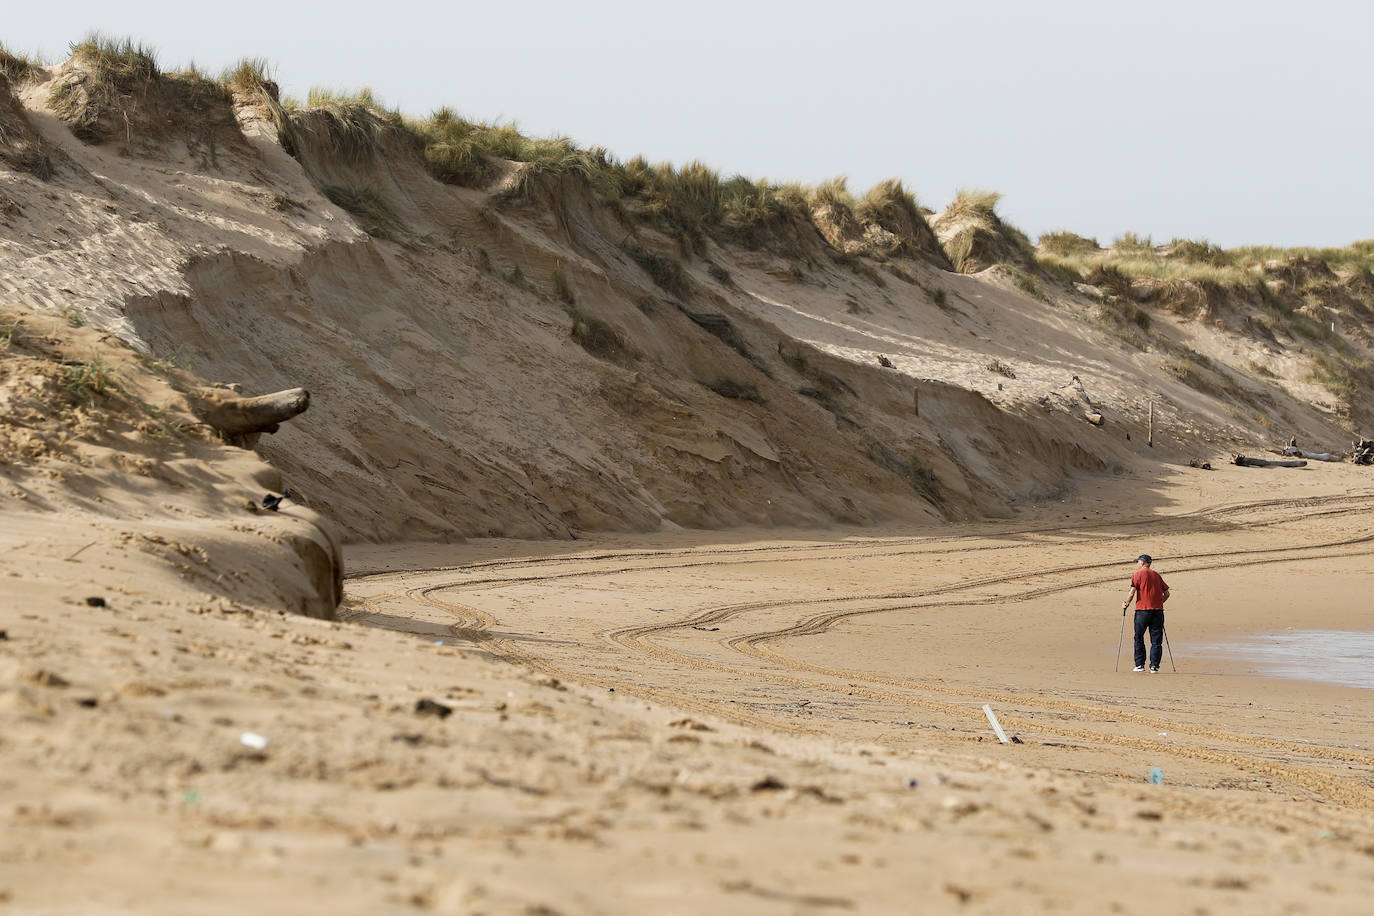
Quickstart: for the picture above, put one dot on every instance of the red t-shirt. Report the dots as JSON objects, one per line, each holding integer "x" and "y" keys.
{"x": 1150, "y": 589}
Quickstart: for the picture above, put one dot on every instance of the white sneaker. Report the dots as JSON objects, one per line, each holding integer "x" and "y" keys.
{"x": 1154, "y": 670}
{"x": 1140, "y": 667}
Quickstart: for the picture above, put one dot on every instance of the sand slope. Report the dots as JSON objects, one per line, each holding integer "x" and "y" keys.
{"x": 489, "y": 365}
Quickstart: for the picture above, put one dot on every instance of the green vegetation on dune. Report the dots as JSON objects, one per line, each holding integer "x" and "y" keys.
{"x": 109, "y": 78}
{"x": 692, "y": 201}
{"x": 1287, "y": 294}
{"x": 1137, "y": 257}
{"x": 975, "y": 237}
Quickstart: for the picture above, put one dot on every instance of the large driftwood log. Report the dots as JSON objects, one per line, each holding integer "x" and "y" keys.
{"x": 1295, "y": 452}
{"x": 240, "y": 419}
{"x": 1244, "y": 462}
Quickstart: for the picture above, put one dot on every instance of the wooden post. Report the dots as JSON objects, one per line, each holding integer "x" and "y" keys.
{"x": 1150, "y": 441}
{"x": 916, "y": 401}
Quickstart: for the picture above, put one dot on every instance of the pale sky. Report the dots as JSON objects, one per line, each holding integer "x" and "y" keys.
{"x": 1241, "y": 123}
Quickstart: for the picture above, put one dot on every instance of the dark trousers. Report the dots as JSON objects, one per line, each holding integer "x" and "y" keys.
{"x": 1154, "y": 621}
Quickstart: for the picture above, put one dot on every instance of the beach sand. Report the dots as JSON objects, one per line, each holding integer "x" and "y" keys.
{"x": 752, "y": 722}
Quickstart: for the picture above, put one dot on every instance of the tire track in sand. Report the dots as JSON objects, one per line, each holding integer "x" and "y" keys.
{"x": 898, "y": 691}
{"x": 871, "y": 686}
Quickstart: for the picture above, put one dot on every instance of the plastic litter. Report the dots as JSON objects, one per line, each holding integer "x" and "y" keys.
{"x": 254, "y": 740}
{"x": 1156, "y": 777}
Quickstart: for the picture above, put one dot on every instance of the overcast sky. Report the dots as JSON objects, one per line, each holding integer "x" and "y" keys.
{"x": 1241, "y": 123}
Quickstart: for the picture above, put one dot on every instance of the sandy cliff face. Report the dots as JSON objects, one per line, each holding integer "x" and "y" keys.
{"x": 483, "y": 363}
{"x": 112, "y": 490}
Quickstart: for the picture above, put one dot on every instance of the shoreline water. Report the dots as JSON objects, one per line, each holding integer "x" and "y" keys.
{"x": 1343, "y": 658}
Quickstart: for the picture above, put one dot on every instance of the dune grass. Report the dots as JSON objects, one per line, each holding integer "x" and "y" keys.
{"x": 250, "y": 82}
{"x": 884, "y": 196}
{"x": 114, "y": 73}
{"x": 690, "y": 201}
{"x": 469, "y": 154}
{"x": 1194, "y": 370}
{"x": 1350, "y": 380}
{"x": 833, "y": 193}
{"x": 250, "y": 77}
{"x": 974, "y": 236}
{"x": 1356, "y": 257}
{"x": 369, "y": 207}
{"x": 598, "y": 338}
{"x": 666, "y": 272}
{"x": 18, "y": 68}
{"x": 84, "y": 379}
{"x": 118, "y": 60}
{"x": 454, "y": 149}
{"x": 748, "y": 205}
{"x": 1064, "y": 243}
{"x": 355, "y": 123}
{"x": 892, "y": 206}
{"x": 973, "y": 204}
{"x": 1197, "y": 260}
{"x": 1134, "y": 263}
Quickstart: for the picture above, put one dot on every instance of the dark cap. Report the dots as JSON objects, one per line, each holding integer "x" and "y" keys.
{"x": 1144, "y": 558}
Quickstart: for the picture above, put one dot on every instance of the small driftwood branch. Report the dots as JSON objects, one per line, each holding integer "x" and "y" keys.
{"x": 1090, "y": 411}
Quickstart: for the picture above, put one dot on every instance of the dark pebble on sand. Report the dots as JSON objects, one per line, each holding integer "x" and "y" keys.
{"x": 428, "y": 707}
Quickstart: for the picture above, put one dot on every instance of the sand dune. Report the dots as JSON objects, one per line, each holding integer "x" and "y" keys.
{"x": 662, "y": 592}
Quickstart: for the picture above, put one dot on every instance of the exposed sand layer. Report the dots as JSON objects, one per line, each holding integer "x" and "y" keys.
{"x": 483, "y": 364}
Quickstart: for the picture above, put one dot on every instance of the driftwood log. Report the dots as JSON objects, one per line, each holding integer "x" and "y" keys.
{"x": 1294, "y": 452}
{"x": 241, "y": 420}
{"x": 1244, "y": 462}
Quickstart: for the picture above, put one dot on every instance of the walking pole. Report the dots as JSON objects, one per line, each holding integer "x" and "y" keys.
{"x": 1120, "y": 638}
{"x": 1171, "y": 651}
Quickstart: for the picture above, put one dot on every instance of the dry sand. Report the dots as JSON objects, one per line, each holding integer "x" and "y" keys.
{"x": 770, "y": 719}
{"x": 759, "y": 722}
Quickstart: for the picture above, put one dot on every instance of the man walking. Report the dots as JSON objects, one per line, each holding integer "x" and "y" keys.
{"x": 1150, "y": 593}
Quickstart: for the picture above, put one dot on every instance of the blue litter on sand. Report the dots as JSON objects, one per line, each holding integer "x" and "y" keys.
{"x": 1156, "y": 777}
